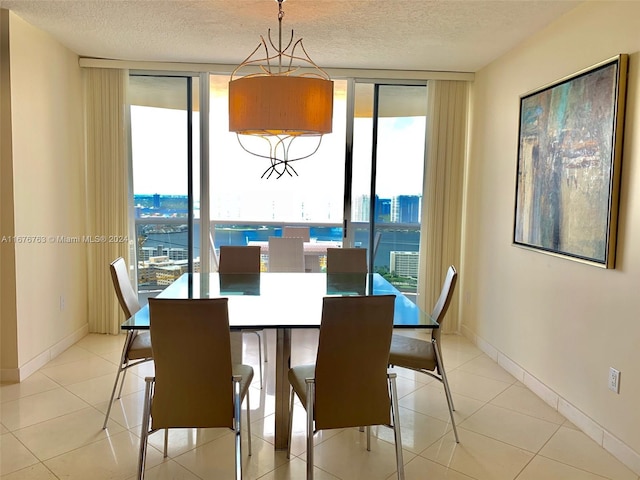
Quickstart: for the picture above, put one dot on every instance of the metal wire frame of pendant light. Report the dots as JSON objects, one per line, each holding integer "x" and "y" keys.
{"x": 288, "y": 97}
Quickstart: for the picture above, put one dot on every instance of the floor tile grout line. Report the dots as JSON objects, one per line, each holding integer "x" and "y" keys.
{"x": 524, "y": 467}
{"x": 448, "y": 467}
{"x": 27, "y": 448}
{"x": 32, "y": 466}
{"x": 537, "y": 452}
{"x": 564, "y": 462}
{"x": 496, "y": 440}
{"x": 59, "y": 385}
{"x": 533, "y": 455}
{"x": 515, "y": 380}
{"x": 527, "y": 414}
{"x": 490, "y": 403}
{"x": 86, "y": 445}
{"x": 87, "y": 405}
{"x": 56, "y": 363}
{"x": 574, "y": 466}
{"x": 454, "y": 401}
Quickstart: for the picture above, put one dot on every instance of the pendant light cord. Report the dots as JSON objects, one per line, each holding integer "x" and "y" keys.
{"x": 280, "y": 16}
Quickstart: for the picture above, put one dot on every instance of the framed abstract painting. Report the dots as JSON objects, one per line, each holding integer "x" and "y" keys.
{"x": 569, "y": 162}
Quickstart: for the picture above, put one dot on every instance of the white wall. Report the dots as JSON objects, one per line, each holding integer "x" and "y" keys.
{"x": 49, "y": 195}
{"x": 556, "y": 323}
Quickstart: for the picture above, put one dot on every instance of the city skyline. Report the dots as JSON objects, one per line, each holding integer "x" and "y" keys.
{"x": 397, "y": 209}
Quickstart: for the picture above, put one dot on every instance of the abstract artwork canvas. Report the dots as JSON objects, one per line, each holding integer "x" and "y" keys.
{"x": 569, "y": 160}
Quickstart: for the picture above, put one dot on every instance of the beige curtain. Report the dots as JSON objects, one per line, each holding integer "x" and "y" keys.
{"x": 107, "y": 191}
{"x": 442, "y": 196}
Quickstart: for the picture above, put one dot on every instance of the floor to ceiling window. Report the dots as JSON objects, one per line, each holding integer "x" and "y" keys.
{"x": 389, "y": 129}
{"x": 377, "y": 152}
{"x": 165, "y": 159}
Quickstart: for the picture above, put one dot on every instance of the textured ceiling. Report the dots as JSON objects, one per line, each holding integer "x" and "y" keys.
{"x": 442, "y": 35}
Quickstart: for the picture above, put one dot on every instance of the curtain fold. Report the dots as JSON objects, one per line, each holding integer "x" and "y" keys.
{"x": 107, "y": 192}
{"x": 441, "y": 228}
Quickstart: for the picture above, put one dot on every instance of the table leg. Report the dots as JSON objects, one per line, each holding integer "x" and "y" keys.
{"x": 283, "y": 363}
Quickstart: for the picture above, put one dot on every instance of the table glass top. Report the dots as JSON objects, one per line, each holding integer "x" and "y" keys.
{"x": 284, "y": 300}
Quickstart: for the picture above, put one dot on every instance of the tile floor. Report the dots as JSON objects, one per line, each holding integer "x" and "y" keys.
{"x": 50, "y": 427}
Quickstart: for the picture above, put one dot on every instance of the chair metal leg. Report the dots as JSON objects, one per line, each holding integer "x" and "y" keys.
{"x": 111, "y": 398}
{"x": 368, "y": 430}
{"x": 396, "y": 425}
{"x": 144, "y": 429}
{"x": 311, "y": 391}
{"x": 237, "y": 425}
{"x": 290, "y": 423}
{"x": 166, "y": 441}
{"x": 259, "y": 357}
{"x": 124, "y": 375}
{"x": 264, "y": 346}
{"x": 259, "y": 354}
{"x": 447, "y": 390}
{"x": 249, "y": 421}
{"x": 123, "y": 361}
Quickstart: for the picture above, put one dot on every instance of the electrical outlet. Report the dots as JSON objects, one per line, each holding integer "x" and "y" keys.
{"x": 61, "y": 303}
{"x": 614, "y": 380}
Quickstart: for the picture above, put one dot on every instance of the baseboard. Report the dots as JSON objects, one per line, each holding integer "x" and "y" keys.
{"x": 590, "y": 427}
{"x": 16, "y": 375}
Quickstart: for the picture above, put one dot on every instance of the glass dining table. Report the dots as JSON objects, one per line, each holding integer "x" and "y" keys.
{"x": 283, "y": 301}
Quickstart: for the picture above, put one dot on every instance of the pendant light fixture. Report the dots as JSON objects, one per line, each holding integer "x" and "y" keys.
{"x": 288, "y": 97}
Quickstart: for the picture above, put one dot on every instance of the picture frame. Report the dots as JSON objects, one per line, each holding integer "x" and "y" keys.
{"x": 569, "y": 162}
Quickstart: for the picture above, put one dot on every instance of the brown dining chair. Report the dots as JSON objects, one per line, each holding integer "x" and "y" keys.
{"x": 195, "y": 383}
{"x": 426, "y": 356}
{"x": 241, "y": 259}
{"x": 349, "y": 385}
{"x": 347, "y": 260}
{"x": 137, "y": 344}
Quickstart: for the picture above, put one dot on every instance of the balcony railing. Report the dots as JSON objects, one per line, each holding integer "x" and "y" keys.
{"x": 162, "y": 246}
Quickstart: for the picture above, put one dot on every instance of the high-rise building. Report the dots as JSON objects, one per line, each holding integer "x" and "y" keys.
{"x": 177, "y": 253}
{"x": 405, "y": 209}
{"x": 360, "y": 208}
{"x": 383, "y": 209}
{"x": 404, "y": 264}
{"x": 145, "y": 253}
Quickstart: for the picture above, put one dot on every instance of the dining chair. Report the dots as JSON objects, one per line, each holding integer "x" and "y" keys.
{"x": 347, "y": 260}
{"x": 137, "y": 344}
{"x": 349, "y": 385}
{"x": 244, "y": 259}
{"x": 300, "y": 232}
{"x": 239, "y": 259}
{"x": 426, "y": 356}
{"x": 195, "y": 383}
{"x": 286, "y": 254}
{"x": 311, "y": 262}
